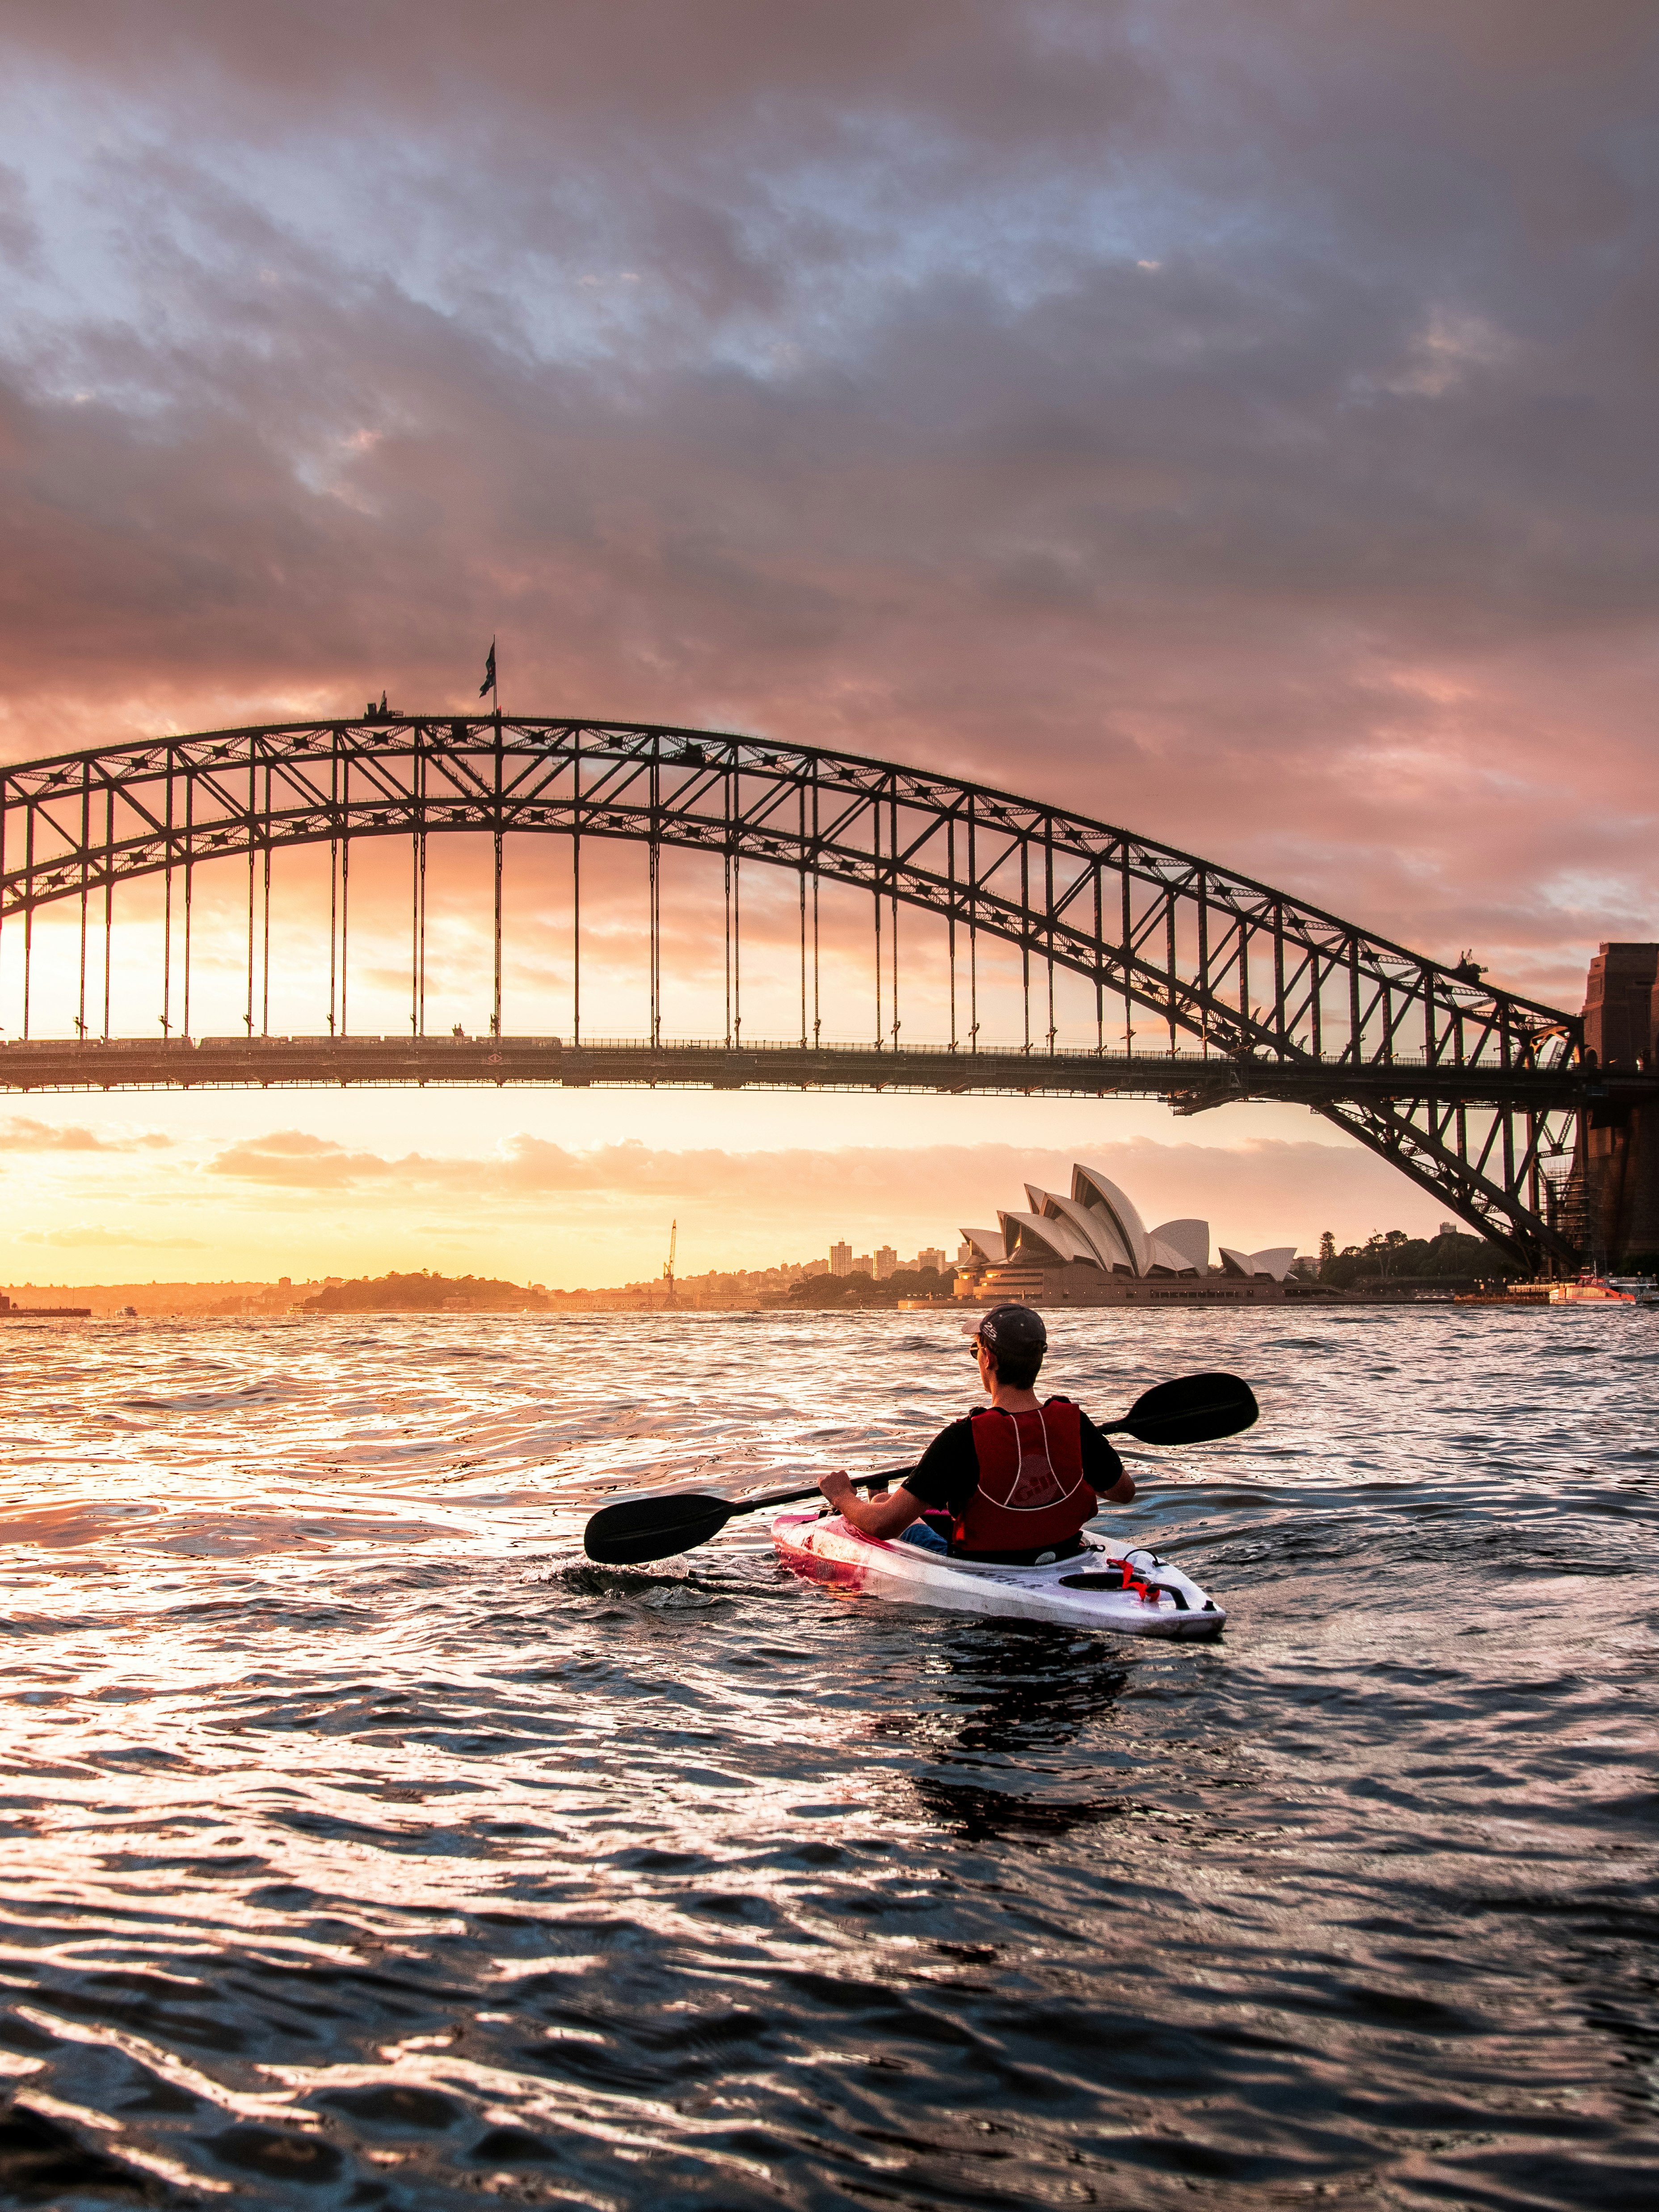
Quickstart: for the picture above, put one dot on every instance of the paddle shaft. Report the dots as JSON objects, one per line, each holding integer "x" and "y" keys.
{"x": 799, "y": 1496}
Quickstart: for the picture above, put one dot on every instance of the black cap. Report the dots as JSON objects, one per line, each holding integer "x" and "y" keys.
{"x": 1013, "y": 1329}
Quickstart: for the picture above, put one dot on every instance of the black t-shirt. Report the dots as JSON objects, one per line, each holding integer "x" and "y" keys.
{"x": 948, "y": 1473}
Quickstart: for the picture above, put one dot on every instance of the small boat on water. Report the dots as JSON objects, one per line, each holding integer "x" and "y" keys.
{"x": 1607, "y": 1290}
{"x": 1125, "y": 1589}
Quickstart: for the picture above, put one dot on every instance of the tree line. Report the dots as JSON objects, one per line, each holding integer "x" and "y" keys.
{"x": 1392, "y": 1255}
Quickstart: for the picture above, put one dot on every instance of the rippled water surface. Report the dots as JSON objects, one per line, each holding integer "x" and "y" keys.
{"x": 365, "y": 1846}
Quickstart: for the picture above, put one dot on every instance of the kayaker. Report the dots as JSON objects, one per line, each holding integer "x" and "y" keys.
{"x": 1015, "y": 1482}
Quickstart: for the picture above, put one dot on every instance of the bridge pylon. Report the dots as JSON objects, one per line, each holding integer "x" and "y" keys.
{"x": 1616, "y": 1167}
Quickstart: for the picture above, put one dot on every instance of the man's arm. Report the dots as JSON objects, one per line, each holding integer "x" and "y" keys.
{"x": 1113, "y": 1483}
{"x": 943, "y": 1479}
{"x": 887, "y": 1515}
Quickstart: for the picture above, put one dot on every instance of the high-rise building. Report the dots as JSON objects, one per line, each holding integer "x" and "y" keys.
{"x": 886, "y": 1261}
{"x": 840, "y": 1259}
{"x": 861, "y": 1263}
{"x": 931, "y": 1257}
{"x": 966, "y": 1254}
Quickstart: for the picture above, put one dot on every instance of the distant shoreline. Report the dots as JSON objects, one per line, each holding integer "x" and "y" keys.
{"x": 1330, "y": 1302}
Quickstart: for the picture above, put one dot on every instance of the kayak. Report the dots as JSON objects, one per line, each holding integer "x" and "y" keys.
{"x": 1087, "y": 1592}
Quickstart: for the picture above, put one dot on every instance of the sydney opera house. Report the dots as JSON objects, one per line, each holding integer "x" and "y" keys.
{"x": 1093, "y": 1249}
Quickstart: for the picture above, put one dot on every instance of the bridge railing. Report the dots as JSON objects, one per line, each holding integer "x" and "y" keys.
{"x": 1196, "y": 1056}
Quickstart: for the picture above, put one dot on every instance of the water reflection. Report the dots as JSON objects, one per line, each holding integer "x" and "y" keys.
{"x": 369, "y": 1847}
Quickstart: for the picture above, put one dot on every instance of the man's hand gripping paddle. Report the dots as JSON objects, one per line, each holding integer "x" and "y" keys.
{"x": 1194, "y": 1409}
{"x": 636, "y": 1529}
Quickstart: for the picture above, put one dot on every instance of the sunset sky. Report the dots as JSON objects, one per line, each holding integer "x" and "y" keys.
{"x": 1234, "y": 421}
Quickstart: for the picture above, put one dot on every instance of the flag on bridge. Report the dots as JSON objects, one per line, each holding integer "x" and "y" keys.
{"x": 488, "y": 687}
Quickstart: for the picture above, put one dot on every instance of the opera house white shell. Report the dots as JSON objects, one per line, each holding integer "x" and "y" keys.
{"x": 1093, "y": 1248}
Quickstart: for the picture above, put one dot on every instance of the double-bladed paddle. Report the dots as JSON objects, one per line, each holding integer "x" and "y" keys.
{"x": 1194, "y": 1409}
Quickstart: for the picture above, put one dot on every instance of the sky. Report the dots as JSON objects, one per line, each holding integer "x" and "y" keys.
{"x": 1234, "y": 421}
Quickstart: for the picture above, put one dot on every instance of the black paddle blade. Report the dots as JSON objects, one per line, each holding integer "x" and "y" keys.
{"x": 636, "y": 1529}
{"x": 1192, "y": 1410}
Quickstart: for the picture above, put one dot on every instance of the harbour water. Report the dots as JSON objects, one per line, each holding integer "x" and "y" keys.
{"x": 364, "y": 1846}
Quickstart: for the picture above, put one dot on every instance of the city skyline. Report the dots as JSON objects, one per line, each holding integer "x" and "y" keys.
{"x": 883, "y": 1262}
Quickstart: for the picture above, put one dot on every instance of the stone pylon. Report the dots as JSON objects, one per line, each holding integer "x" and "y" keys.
{"x": 1619, "y": 1147}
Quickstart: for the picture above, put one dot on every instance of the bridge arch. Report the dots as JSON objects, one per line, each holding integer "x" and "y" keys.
{"x": 1471, "y": 1091}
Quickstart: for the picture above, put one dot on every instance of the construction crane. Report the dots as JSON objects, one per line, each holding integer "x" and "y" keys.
{"x": 668, "y": 1264}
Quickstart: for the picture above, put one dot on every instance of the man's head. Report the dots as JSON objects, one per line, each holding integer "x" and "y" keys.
{"x": 1012, "y": 1342}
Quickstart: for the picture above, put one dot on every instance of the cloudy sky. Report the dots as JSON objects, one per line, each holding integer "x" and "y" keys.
{"x": 1233, "y": 420}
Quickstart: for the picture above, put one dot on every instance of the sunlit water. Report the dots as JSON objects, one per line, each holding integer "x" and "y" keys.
{"x": 365, "y": 1847}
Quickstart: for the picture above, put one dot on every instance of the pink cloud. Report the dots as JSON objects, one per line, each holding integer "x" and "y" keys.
{"x": 305, "y": 1163}
{"x": 1231, "y": 424}
{"x": 19, "y": 1134}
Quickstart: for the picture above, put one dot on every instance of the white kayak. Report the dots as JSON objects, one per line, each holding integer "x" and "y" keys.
{"x": 1088, "y": 1591}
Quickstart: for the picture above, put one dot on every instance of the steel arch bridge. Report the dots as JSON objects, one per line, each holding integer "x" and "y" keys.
{"x": 1478, "y": 1096}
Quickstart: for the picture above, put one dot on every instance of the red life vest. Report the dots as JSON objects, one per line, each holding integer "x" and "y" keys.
{"x": 1033, "y": 1495}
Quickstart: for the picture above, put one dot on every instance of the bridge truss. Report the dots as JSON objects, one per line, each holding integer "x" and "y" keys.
{"x": 1478, "y": 1096}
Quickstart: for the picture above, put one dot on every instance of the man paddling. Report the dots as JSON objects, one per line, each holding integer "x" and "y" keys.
{"x": 1017, "y": 1481}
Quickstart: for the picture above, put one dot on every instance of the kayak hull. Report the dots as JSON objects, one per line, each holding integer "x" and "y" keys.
{"x": 1069, "y": 1592}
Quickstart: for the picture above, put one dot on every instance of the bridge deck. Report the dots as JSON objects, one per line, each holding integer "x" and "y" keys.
{"x": 1189, "y": 1081}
